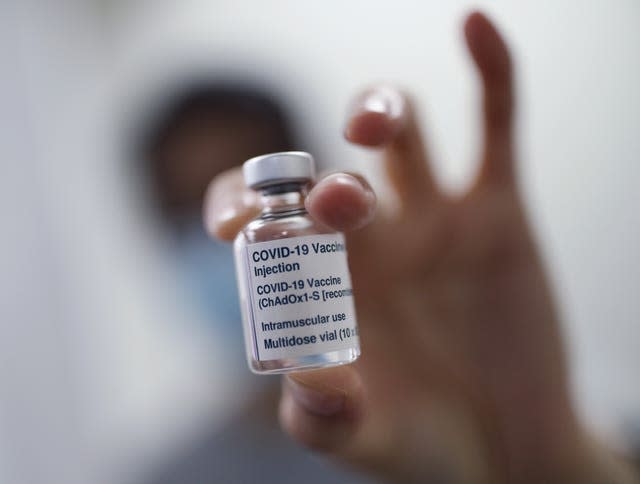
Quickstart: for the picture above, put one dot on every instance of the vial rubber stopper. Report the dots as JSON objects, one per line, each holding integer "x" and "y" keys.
{"x": 274, "y": 168}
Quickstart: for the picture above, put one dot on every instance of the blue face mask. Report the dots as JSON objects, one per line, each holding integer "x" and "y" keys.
{"x": 209, "y": 276}
{"x": 207, "y": 271}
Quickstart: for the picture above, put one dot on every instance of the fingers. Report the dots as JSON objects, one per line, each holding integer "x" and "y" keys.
{"x": 383, "y": 117}
{"x": 322, "y": 409}
{"x": 493, "y": 61}
{"x": 229, "y": 205}
{"x": 342, "y": 201}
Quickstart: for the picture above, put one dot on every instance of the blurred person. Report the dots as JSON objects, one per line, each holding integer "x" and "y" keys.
{"x": 463, "y": 374}
{"x": 207, "y": 128}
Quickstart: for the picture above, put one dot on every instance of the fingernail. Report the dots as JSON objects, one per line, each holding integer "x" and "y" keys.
{"x": 344, "y": 179}
{"x": 381, "y": 99}
{"x": 324, "y": 402}
{"x": 342, "y": 201}
{"x": 355, "y": 182}
{"x": 382, "y": 104}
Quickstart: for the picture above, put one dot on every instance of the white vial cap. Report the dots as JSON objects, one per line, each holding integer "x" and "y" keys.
{"x": 274, "y": 168}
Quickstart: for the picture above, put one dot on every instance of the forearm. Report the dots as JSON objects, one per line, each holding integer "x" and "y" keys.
{"x": 609, "y": 467}
{"x": 591, "y": 463}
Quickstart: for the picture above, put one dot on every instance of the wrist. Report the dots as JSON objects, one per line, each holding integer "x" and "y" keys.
{"x": 579, "y": 459}
{"x": 550, "y": 445}
{"x": 601, "y": 464}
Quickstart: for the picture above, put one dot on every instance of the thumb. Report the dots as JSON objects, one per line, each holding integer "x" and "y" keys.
{"x": 323, "y": 409}
{"x": 328, "y": 411}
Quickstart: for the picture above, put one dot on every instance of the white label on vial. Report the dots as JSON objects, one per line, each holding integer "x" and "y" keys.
{"x": 300, "y": 297}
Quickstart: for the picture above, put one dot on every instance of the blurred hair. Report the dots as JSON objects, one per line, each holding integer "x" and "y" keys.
{"x": 220, "y": 99}
{"x": 200, "y": 101}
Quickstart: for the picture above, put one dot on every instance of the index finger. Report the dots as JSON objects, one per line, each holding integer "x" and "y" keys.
{"x": 342, "y": 201}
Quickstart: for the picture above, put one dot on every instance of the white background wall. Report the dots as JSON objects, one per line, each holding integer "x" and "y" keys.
{"x": 79, "y": 72}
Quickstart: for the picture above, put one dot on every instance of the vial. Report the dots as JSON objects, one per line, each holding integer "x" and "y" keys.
{"x": 293, "y": 278}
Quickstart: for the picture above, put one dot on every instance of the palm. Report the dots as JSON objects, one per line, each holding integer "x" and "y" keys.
{"x": 455, "y": 292}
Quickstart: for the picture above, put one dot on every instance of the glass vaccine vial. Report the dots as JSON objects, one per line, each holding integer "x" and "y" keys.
{"x": 293, "y": 278}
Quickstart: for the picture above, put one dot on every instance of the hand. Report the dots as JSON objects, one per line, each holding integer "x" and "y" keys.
{"x": 462, "y": 376}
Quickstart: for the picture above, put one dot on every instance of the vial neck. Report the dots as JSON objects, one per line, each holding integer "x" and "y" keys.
{"x": 284, "y": 199}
